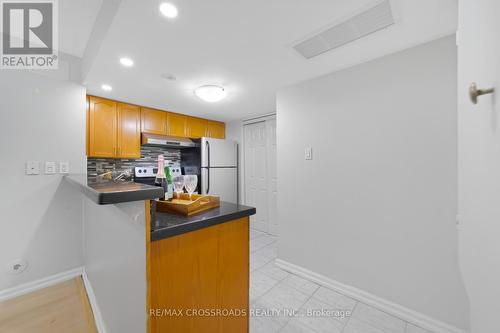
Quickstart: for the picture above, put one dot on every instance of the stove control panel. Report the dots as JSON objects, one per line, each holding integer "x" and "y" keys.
{"x": 143, "y": 172}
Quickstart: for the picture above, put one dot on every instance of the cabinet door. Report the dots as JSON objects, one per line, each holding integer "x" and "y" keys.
{"x": 129, "y": 131}
{"x": 153, "y": 121}
{"x": 216, "y": 129}
{"x": 196, "y": 127}
{"x": 176, "y": 124}
{"x": 102, "y": 127}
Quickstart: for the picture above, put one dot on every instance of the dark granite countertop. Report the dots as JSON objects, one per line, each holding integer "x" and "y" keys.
{"x": 164, "y": 225}
{"x": 111, "y": 192}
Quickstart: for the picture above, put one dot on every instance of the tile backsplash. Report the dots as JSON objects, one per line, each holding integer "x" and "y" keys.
{"x": 149, "y": 157}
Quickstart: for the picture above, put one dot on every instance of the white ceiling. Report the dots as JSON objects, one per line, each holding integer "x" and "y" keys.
{"x": 244, "y": 46}
{"x": 76, "y": 20}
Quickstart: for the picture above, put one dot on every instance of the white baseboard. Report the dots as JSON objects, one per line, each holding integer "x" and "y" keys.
{"x": 395, "y": 309}
{"x": 29, "y": 287}
{"x": 99, "y": 321}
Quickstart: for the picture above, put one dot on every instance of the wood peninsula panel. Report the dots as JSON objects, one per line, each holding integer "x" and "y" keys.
{"x": 207, "y": 269}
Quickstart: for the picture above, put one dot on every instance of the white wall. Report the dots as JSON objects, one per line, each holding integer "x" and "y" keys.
{"x": 375, "y": 209}
{"x": 115, "y": 263}
{"x": 41, "y": 217}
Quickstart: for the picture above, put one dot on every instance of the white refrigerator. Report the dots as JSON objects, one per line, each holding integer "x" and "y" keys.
{"x": 219, "y": 168}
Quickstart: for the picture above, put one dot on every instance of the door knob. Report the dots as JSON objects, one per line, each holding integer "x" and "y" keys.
{"x": 474, "y": 93}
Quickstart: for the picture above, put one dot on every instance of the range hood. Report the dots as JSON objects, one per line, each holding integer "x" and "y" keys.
{"x": 167, "y": 141}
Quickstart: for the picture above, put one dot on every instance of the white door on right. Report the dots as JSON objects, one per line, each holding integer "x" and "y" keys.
{"x": 256, "y": 173}
{"x": 479, "y": 161}
{"x": 261, "y": 188}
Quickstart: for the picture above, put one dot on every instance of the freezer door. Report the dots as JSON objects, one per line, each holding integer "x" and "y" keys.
{"x": 222, "y": 182}
{"x": 218, "y": 153}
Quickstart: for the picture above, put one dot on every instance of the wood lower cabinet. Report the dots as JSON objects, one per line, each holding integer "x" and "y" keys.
{"x": 202, "y": 270}
{"x": 113, "y": 129}
{"x": 196, "y": 127}
{"x": 153, "y": 121}
{"x": 129, "y": 131}
{"x": 176, "y": 124}
{"x": 102, "y": 124}
{"x": 216, "y": 129}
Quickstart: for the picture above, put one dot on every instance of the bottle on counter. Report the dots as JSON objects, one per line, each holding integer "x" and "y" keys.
{"x": 161, "y": 179}
{"x": 170, "y": 184}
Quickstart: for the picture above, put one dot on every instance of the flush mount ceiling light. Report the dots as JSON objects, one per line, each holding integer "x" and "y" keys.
{"x": 168, "y": 10}
{"x": 210, "y": 93}
{"x": 106, "y": 87}
{"x": 127, "y": 62}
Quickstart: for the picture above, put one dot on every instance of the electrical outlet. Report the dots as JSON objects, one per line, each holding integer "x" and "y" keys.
{"x": 63, "y": 167}
{"x": 17, "y": 267}
{"x": 308, "y": 153}
{"x": 50, "y": 168}
{"x": 32, "y": 168}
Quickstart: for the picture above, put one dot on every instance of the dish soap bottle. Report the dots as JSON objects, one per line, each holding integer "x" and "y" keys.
{"x": 160, "y": 179}
{"x": 170, "y": 184}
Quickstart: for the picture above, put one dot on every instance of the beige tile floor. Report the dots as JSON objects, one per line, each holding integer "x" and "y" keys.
{"x": 310, "y": 308}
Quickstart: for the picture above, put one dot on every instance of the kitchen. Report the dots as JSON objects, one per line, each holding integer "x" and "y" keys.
{"x": 128, "y": 148}
{"x": 249, "y": 166}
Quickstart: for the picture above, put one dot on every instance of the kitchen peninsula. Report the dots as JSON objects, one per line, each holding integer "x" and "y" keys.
{"x": 150, "y": 262}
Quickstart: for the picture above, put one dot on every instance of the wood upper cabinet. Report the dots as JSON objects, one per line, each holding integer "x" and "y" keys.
{"x": 176, "y": 124}
{"x": 153, "y": 121}
{"x": 129, "y": 131}
{"x": 102, "y": 124}
{"x": 216, "y": 129}
{"x": 196, "y": 127}
{"x": 114, "y": 128}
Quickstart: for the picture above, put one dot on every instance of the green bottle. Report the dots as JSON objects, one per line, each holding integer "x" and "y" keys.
{"x": 170, "y": 184}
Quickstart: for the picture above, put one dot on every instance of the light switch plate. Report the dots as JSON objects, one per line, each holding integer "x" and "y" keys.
{"x": 50, "y": 168}
{"x": 32, "y": 168}
{"x": 308, "y": 153}
{"x": 63, "y": 167}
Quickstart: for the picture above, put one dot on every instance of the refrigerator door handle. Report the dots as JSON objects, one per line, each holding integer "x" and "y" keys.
{"x": 207, "y": 144}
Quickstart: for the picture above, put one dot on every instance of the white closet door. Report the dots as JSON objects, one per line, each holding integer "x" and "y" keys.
{"x": 256, "y": 174}
{"x": 272, "y": 176}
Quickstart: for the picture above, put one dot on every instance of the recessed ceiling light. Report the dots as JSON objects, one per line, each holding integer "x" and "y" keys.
{"x": 127, "y": 62}
{"x": 106, "y": 87}
{"x": 168, "y": 10}
{"x": 210, "y": 93}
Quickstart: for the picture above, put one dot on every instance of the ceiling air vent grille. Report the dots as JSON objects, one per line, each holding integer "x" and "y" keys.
{"x": 368, "y": 22}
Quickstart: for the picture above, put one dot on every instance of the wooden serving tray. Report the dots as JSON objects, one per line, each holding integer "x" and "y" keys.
{"x": 186, "y": 207}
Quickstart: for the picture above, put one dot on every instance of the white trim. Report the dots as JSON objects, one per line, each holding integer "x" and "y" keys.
{"x": 392, "y": 308}
{"x": 49, "y": 281}
{"x": 99, "y": 320}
